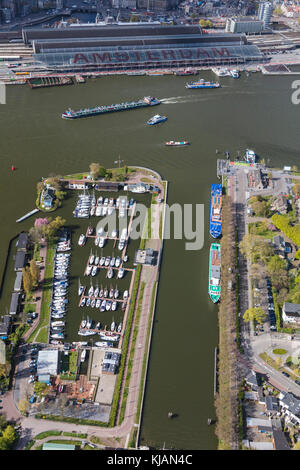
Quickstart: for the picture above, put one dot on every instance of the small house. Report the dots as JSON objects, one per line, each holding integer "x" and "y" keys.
{"x": 291, "y": 312}
{"x": 20, "y": 260}
{"x": 290, "y": 406}
{"x": 14, "y": 304}
{"x": 48, "y": 197}
{"x": 280, "y": 204}
{"x": 5, "y": 327}
{"x": 18, "y": 282}
{"x": 22, "y": 242}
{"x": 271, "y": 404}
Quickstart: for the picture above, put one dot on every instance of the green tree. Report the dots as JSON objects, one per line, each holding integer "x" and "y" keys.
{"x": 53, "y": 227}
{"x": 254, "y": 247}
{"x": 276, "y": 263}
{"x": 27, "y": 280}
{"x": 23, "y": 407}
{"x": 254, "y": 313}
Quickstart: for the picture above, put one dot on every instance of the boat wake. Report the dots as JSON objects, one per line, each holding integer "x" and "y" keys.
{"x": 185, "y": 99}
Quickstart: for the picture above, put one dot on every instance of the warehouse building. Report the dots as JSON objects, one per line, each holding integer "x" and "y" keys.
{"x": 47, "y": 364}
{"x": 244, "y": 25}
{"x": 115, "y": 47}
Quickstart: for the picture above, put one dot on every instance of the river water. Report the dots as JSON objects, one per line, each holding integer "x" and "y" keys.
{"x": 254, "y": 112}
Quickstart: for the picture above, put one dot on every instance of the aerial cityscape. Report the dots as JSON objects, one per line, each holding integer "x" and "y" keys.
{"x": 150, "y": 250}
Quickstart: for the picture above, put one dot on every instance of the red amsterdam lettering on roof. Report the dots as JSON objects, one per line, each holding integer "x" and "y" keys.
{"x": 168, "y": 54}
{"x": 105, "y": 57}
{"x": 185, "y": 53}
{"x": 220, "y": 52}
{"x": 80, "y": 58}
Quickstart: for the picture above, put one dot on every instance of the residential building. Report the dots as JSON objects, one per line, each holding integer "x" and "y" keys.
{"x": 5, "y": 327}
{"x": 291, "y": 312}
{"x": 18, "y": 282}
{"x": 111, "y": 363}
{"x": 256, "y": 179}
{"x": 14, "y": 303}
{"x": 48, "y": 197}
{"x": 280, "y": 441}
{"x": 271, "y": 404}
{"x": 290, "y": 406}
{"x": 22, "y": 242}
{"x": 252, "y": 379}
{"x": 20, "y": 260}
{"x": 280, "y": 204}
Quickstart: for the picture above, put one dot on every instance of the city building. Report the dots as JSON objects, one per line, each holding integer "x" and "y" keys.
{"x": 245, "y": 25}
{"x": 265, "y": 10}
{"x": 291, "y": 313}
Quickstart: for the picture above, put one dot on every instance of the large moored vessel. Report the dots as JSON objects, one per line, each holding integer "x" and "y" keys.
{"x": 202, "y": 84}
{"x": 215, "y": 219}
{"x": 214, "y": 282}
{"x": 146, "y": 101}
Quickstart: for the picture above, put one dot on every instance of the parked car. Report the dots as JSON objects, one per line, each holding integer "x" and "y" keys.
{"x": 285, "y": 374}
{"x": 297, "y": 382}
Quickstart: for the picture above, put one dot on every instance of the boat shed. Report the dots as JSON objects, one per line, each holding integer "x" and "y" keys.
{"x": 14, "y": 304}
{"x": 47, "y": 363}
{"x": 57, "y": 446}
{"x": 20, "y": 260}
{"x": 110, "y": 363}
{"x": 18, "y": 282}
{"x": 148, "y": 256}
{"x": 22, "y": 241}
{"x": 107, "y": 186}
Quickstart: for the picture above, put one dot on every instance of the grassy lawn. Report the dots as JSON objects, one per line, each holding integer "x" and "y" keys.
{"x": 69, "y": 366}
{"x": 259, "y": 228}
{"x": 264, "y": 356}
{"x": 47, "y": 290}
{"x": 45, "y": 434}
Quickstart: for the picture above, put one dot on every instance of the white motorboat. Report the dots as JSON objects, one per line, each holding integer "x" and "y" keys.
{"x": 57, "y": 323}
{"x": 83, "y": 324}
{"x": 121, "y": 273}
{"x": 108, "y": 305}
{"x": 125, "y": 295}
{"x": 117, "y": 262}
{"x": 112, "y": 261}
{"x": 83, "y": 355}
{"x": 102, "y": 260}
{"x": 119, "y": 327}
{"x": 96, "y": 292}
{"x": 97, "y": 240}
{"x": 110, "y": 273}
{"x": 117, "y": 293}
{"x": 94, "y": 270}
{"x": 111, "y": 293}
{"x": 91, "y": 291}
{"x": 82, "y": 303}
{"x": 98, "y": 303}
{"x": 105, "y": 292}
{"x": 82, "y": 240}
{"x": 114, "y": 233}
{"x": 88, "y": 302}
{"x": 93, "y": 303}
{"x": 107, "y": 261}
{"x": 89, "y": 270}
{"x": 91, "y": 259}
{"x": 89, "y": 323}
{"x": 103, "y": 306}
{"x": 112, "y": 326}
{"x": 102, "y": 242}
{"x": 114, "y": 305}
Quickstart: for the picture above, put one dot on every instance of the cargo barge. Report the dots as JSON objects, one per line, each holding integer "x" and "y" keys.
{"x": 145, "y": 102}
{"x": 215, "y": 219}
{"x": 45, "y": 82}
{"x": 214, "y": 282}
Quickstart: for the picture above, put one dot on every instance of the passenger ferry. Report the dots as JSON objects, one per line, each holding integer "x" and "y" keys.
{"x": 202, "y": 84}
{"x": 156, "y": 119}
{"x": 215, "y": 221}
{"x": 214, "y": 282}
{"x": 250, "y": 156}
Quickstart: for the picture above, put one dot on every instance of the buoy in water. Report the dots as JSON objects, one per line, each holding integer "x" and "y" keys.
{"x": 13, "y": 168}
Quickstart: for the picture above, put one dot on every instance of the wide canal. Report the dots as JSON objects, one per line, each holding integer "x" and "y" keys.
{"x": 254, "y": 112}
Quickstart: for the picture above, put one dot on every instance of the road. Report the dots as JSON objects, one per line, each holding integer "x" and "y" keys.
{"x": 254, "y": 345}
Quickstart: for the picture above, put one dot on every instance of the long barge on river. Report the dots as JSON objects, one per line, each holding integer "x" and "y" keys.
{"x": 215, "y": 219}
{"x": 214, "y": 282}
{"x": 145, "y": 102}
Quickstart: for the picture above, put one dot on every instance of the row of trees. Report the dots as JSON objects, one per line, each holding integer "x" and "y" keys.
{"x": 8, "y": 434}
{"x": 31, "y": 276}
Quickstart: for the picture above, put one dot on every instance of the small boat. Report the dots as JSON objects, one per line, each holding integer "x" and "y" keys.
{"x": 86, "y": 333}
{"x": 94, "y": 270}
{"x": 92, "y": 259}
{"x": 88, "y": 302}
{"x": 96, "y": 292}
{"x": 124, "y": 306}
{"x": 91, "y": 291}
{"x": 185, "y": 72}
{"x": 82, "y": 303}
{"x": 121, "y": 273}
{"x": 80, "y": 289}
{"x": 126, "y": 295}
{"x": 125, "y": 259}
{"x": 108, "y": 305}
{"x": 101, "y": 344}
{"x": 112, "y": 326}
{"x": 105, "y": 293}
{"x": 92, "y": 211}
{"x": 89, "y": 323}
{"x": 98, "y": 326}
{"x": 102, "y": 242}
{"x": 112, "y": 261}
{"x": 98, "y": 303}
{"x": 111, "y": 293}
{"x": 82, "y": 240}
{"x": 97, "y": 240}
{"x": 202, "y": 84}
{"x": 57, "y": 336}
{"x": 100, "y": 200}
{"x": 57, "y": 323}
{"x": 83, "y": 355}
{"x": 107, "y": 261}
{"x": 98, "y": 212}
{"x": 101, "y": 292}
{"x": 89, "y": 270}
{"x": 83, "y": 324}
{"x": 102, "y": 260}
{"x": 119, "y": 327}
{"x": 114, "y": 233}
{"x": 114, "y": 305}
{"x": 235, "y": 73}
{"x": 117, "y": 293}
{"x": 93, "y": 303}
{"x": 172, "y": 143}
{"x": 214, "y": 280}
{"x": 110, "y": 273}
{"x": 103, "y": 306}
{"x": 156, "y": 119}
{"x": 117, "y": 262}
{"x": 96, "y": 262}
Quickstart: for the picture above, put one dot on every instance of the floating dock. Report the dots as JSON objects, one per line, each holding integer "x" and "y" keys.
{"x": 27, "y": 215}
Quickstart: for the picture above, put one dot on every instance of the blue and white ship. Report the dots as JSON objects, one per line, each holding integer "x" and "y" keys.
{"x": 235, "y": 73}
{"x": 202, "y": 84}
{"x": 215, "y": 219}
{"x": 156, "y": 119}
